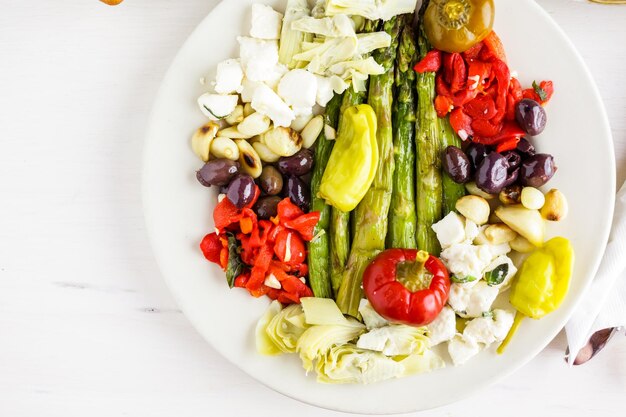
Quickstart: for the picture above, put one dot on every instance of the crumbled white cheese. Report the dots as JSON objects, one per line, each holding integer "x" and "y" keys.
{"x": 443, "y": 328}
{"x": 464, "y": 260}
{"x": 299, "y": 89}
{"x": 514, "y": 74}
{"x": 258, "y": 57}
{"x": 217, "y": 106}
{"x": 272, "y": 282}
{"x": 471, "y": 231}
{"x": 266, "y": 22}
{"x": 487, "y": 330}
{"x": 279, "y": 72}
{"x": 450, "y": 230}
{"x": 463, "y": 134}
{"x": 497, "y": 250}
{"x": 220, "y": 197}
{"x": 472, "y": 301}
{"x": 248, "y": 88}
{"x": 461, "y": 350}
{"x": 229, "y": 77}
{"x": 371, "y": 318}
{"x": 288, "y": 248}
{"x": 302, "y": 279}
{"x": 267, "y": 102}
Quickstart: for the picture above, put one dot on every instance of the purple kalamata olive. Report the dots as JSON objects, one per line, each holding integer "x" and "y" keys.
{"x": 241, "y": 190}
{"x": 217, "y": 172}
{"x": 476, "y": 152}
{"x": 530, "y": 116}
{"x": 492, "y": 173}
{"x": 298, "y": 164}
{"x": 537, "y": 170}
{"x": 299, "y": 193}
{"x": 457, "y": 164}
{"x": 525, "y": 148}
{"x": 511, "y": 177}
{"x": 513, "y": 158}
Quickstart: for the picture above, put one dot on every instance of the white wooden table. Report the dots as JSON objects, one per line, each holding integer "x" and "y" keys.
{"x": 87, "y": 326}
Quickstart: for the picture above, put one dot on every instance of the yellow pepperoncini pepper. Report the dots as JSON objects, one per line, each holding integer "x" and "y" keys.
{"x": 541, "y": 283}
{"x": 352, "y": 163}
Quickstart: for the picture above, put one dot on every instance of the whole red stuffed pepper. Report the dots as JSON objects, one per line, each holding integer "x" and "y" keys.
{"x": 407, "y": 286}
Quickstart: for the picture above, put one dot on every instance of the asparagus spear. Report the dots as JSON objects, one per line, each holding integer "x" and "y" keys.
{"x": 428, "y": 142}
{"x": 319, "y": 247}
{"x": 452, "y": 191}
{"x": 340, "y": 220}
{"x": 402, "y": 215}
{"x": 371, "y": 214}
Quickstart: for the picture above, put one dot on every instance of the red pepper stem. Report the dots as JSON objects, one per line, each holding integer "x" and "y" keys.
{"x": 413, "y": 274}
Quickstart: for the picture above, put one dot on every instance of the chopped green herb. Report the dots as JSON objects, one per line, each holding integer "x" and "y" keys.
{"x": 487, "y": 313}
{"x": 462, "y": 280}
{"x": 540, "y": 91}
{"x": 497, "y": 275}
{"x": 235, "y": 265}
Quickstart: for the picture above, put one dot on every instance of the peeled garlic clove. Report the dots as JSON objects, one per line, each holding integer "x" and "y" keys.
{"x": 473, "y": 189}
{"x": 312, "y": 131}
{"x": 224, "y": 148}
{"x": 249, "y": 159}
{"x": 474, "y": 208}
{"x": 265, "y": 153}
{"x": 532, "y": 198}
{"x": 232, "y": 133}
{"x": 555, "y": 207}
{"x": 498, "y": 234}
{"x": 202, "y": 138}
{"x": 522, "y": 245}
{"x": 247, "y": 110}
{"x": 300, "y": 122}
{"x": 236, "y": 116}
{"x": 526, "y": 222}
{"x": 255, "y": 124}
{"x": 282, "y": 141}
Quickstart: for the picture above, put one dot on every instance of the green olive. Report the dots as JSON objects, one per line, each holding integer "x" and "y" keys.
{"x": 457, "y": 25}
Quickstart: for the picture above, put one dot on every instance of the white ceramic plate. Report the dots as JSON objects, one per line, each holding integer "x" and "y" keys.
{"x": 178, "y": 210}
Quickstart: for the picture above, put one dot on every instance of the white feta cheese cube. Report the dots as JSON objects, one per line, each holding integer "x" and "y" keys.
{"x": 248, "y": 88}
{"x": 471, "y": 231}
{"x": 450, "y": 230}
{"x": 461, "y": 350}
{"x": 324, "y": 90}
{"x": 472, "y": 301}
{"x": 487, "y": 330}
{"x": 258, "y": 57}
{"x": 464, "y": 260}
{"x": 267, "y": 102}
{"x": 217, "y": 106}
{"x": 299, "y": 89}
{"x": 443, "y": 328}
{"x": 371, "y": 318}
{"x": 279, "y": 72}
{"x": 229, "y": 77}
{"x": 266, "y": 22}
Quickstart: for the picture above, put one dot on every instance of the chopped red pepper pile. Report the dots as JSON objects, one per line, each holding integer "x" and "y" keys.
{"x": 273, "y": 247}
{"x": 475, "y": 87}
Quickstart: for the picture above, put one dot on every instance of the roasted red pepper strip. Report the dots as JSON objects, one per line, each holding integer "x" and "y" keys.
{"x": 443, "y": 105}
{"x": 507, "y": 145}
{"x": 459, "y": 73}
{"x": 304, "y": 224}
{"x": 461, "y": 123}
{"x": 494, "y": 49}
{"x": 226, "y": 213}
{"x": 430, "y": 63}
{"x": 392, "y": 299}
{"x": 509, "y": 130}
{"x": 211, "y": 246}
{"x": 289, "y": 247}
{"x": 473, "y": 52}
{"x": 287, "y": 211}
{"x": 482, "y": 107}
